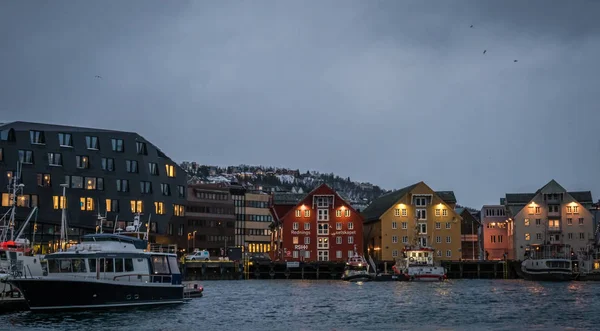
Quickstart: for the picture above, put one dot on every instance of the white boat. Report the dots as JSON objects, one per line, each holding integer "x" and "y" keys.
{"x": 549, "y": 262}
{"x": 418, "y": 265}
{"x": 356, "y": 269}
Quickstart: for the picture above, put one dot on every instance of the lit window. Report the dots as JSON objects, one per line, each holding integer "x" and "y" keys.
{"x": 404, "y": 212}
{"x": 444, "y": 212}
{"x": 170, "y": 170}
{"x": 82, "y": 162}
{"x": 86, "y": 204}
{"x": 298, "y": 213}
{"x": 527, "y": 236}
{"x": 438, "y": 212}
{"x": 43, "y": 180}
{"x": 6, "y": 200}
{"x": 137, "y": 206}
{"x": 307, "y": 213}
{"x": 347, "y": 213}
{"x": 159, "y": 208}
{"x": 178, "y": 210}
{"x": 58, "y": 201}
{"x": 112, "y": 205}
{"x": 295, "y": 240}
{"x": 338, "y": 213}
{"x": 526, "y": 222}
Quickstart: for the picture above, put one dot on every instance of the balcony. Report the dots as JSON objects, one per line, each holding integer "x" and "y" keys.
{"x": 469, "y": 238}
{"x": 554, "y": 229}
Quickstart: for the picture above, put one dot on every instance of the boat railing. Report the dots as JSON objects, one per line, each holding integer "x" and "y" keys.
{"x": 146, "y": 278}
{"x": 158, "y": 248}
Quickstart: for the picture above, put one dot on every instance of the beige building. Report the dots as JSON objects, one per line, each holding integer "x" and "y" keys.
{"x": 257, "y": 234}
{"x": 551, "y": 216}
{"x": 414, "y": 215}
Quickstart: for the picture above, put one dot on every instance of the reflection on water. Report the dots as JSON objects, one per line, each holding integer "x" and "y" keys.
{"x": 337, "y": 305}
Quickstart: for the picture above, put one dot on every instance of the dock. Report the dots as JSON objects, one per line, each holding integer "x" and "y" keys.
{"x": 481, "y": 269}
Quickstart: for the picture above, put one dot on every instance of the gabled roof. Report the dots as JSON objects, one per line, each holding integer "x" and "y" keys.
{"x": 385, "y": 202}
{"x": 21, "y": 126}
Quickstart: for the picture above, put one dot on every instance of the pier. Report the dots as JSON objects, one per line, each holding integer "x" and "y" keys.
{"x": 480, "y": 269}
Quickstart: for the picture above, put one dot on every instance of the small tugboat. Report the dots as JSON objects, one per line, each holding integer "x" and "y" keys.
{"x": 549, "y": 262}
{"x": 193, "y": 291}
{"x": 104, "y": 270}
{"x": 356, "y": 269}
{"x": 419, "y": 265}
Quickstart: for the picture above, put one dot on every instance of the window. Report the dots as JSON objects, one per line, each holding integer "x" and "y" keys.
{"x": 170, "y": 170}
{"x": 323, "y": 229}
{"x": 91, "y": 142}
{"x": 575, "y": 209}
{"x": 306, "y": 240}
{"x": 439, "y": 253}
{"x": 538, "y": 210}
{"x": 581, "y": 236}
{"x": 141, "y": 148}
{"x": 26, "y": 157}
{"x": 145, "y": 187}
{"x": 86, "y": 204}
{"x": 438, "y": 239}
{"x": 421, "y": 214}
{"x": 122, "y": 185}
{"x": 295, "y": 226}
{"x": 75, "y": 181}
{"x": 500, "y": 238}
{"x": 531, "y": 209}
{"x": 181, "y": 191}
{"x": 64, "y": 140}
{"x": 444, "y": 212}
{"x": 527, "y": 237}
{"x": 323, "y": 255}
{"x": 422, "y": 228}
{"x": 298, "y": 213}
{"x": 538, "y": 236}
{"x": 569, "y": 221}
{"x": 538, "y": 221}
{"x": 137, "y": 206}
{"x": 37, "y": 137}
{"x": 59, "y": 202}
{"x": 448, "y": 225}
{"x": 295, "y": 254}
{"x": 404, "y": 239}
{"x": 554, "y": 225}
{"x": 570, "y": 236}
{"x": 93, "y": 183}
{"x": 394, "y": 239}
{"x": 112, "y": 205}
{"x": 117, "y": 145}
{"x": 404, "y": 225}
{"x": 553, "y": 209}
{"x": 1, "y": 154}
{"x": 165, "y": 189}
{"x": 178, "y": 210}
{"x": 108, "y": 164}
{"x": 438, "y": 225}
{"x": 82, "y": 162}
{"x": 404, "y": 212}
{"x": 159, "y": 208}
{"x": 581, "y": 221}
{"x": 338, "y": 254}
{"x": 350, "y": 226}
{"x": 43, "y": 180}
{"x": 153, "y": 168}
{"x": 423, "y": 241}
{"x": 351, "y": 240}
{"x": 295, "y": 240}
{"x": 448, "y": 253}
{"x": 526, "y": 222}
{"x": 493, "y": 239}
{"x": 307, "y": 213}
{"x": 323, "y": 243}
{"x": 131, "y": 166}
{"x": 55, "y": 159}
{"x": 448, "y": 239}
{"x": 338, "y": 213}
{"x": 307, "y": 254}
{"x": 306, "y": 226}
{"x": 347, "y": 213}
{"x": 394, "y": 225}
{"x": 338, "y": 240}
{"x": 7, "y": 135}
{"x": 438, "y": 212}
{"x": 338, "y": 226}
{"x": 350, "y": 254}
{"x": 420, "y": 201}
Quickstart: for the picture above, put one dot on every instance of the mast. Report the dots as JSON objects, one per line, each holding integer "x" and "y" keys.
{"x": 63, "y": 221}
{"x": 15, "y": 192}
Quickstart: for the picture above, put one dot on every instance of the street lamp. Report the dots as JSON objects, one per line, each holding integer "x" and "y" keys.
{"x": 189, "y": 236}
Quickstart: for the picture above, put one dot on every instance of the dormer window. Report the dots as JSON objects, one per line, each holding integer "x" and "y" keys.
{"x": 37, "y": 137}
{"x": 420, "y": 201}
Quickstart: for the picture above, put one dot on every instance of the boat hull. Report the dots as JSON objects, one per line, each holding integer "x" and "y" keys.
{"x": 427, "y": 278}
{"x": 61, "y": 294}
{"x": 357, "y": 278}
{"x": 550, "y": 276}
{"x": 391, "y": 278}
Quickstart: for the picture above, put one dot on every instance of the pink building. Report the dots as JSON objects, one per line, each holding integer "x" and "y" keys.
{"x": 495, "y": 233}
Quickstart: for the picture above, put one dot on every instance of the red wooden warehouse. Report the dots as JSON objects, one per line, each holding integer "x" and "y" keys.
{"x": 320, "y": 227}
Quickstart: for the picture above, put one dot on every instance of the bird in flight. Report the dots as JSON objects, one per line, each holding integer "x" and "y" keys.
{"x": 484, "y": 51}
{"x": 98, "y": 77}
{"x": 471, "y": 26}
{"x": 516, "y": 61}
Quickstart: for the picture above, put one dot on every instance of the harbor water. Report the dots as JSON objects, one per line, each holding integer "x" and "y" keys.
{"x": 336, "y": 305}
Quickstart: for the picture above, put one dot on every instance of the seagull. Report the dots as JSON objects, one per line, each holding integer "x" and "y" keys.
{"x": 485, "y": 50}
{"x": 471, "y": 26}
{"x": 515, "y": 61}
{"x": 98, "y": 77}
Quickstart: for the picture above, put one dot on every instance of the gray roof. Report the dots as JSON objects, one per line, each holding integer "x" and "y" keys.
{"x": 386, "y": 201}
{"x": 26, "y": 126}
{"x": 524, "y": 198}
{"x": 281, "y": 198}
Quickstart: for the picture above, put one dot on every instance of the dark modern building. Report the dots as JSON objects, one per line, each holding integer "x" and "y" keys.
{"x": 107, "y": 172}
{"x": 210, "y": 219}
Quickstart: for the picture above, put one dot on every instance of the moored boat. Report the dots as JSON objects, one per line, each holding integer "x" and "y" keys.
{"x": 549, "y": 262}
{"x": 356, "y": 269}
{"x": 419, "y": 265}
{"x": 104, "y": 270}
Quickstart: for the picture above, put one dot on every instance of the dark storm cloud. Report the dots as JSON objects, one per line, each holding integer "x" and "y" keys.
{"x": 391, "y": 92}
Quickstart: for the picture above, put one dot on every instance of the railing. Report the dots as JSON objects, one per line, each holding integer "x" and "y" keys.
{"x": 469, "y": 237}
{"x": 144, "y": 278}
{"x": 158, "y": 248}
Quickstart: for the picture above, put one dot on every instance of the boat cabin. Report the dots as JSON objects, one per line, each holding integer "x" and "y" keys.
{"x": 114, "y": 257}
{"x": 418, "y": 256}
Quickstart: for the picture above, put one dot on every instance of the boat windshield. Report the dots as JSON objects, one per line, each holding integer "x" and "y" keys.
{"x": 356, "y": 267}
{"x": 160, "y": 265}
{"x": 173, "y": 265}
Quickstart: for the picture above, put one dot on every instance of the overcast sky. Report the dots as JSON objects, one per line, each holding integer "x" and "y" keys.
{"x": 390, "y": 92}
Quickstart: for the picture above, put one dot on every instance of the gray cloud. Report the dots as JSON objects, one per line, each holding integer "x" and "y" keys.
{"x": 391, "y": 92}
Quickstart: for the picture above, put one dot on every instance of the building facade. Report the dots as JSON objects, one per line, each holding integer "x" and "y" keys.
{"x": 320, "y": 227}
{"x": 414, "y": 215}
{"x": 210, "y": 220}
{"x": 112, "y": 173}
{"x": 258, "y": 220}
{"x": 552, "y": 215}
{"x": 496, "y": 229}
{"x": 470, "y": 227}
